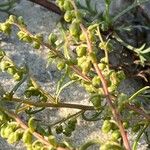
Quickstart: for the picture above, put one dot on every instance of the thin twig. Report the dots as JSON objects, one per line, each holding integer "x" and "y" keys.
{"x": 73, "y": 67}
{"x": 25, "y": 127}
{"x": 58, "y": 105}
{"x": 65, "y": 119}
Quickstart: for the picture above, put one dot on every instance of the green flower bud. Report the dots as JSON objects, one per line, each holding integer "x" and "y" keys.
{"x": 72, "y": 121}
{"x": 86, "y": 66}
{"x": 28, "y": 94}
{"x": 19, "y": 133}
{"x": 89, "y": 88}
{"x": 37, "y": 145}
{"x": 100, "y": 91}
{"x": 21, "y": 34}
{"x": 92, "y": 36}
{"x": 60, "y": 3}
{"x": 74, "y": 29}
{"x": 81, "y": 50}
{"x": 27, "y": 137}
{"x": 39, "y": 37}
{"x": 122, "y": 100}
{"x": 96, "y": 81}
{"x": 5, "y": 27}
{"x": 2, "y": 130}
{"x": 108, "y": 2}
{"x": 136, "y": 128}
{"x": 102, "y": 66}
{"x": 73, "y": 76}
{"x": 82, "y": 37}
{"x": 112, "y": 88}
{"x": 32, "y": 88}
{"x": 12, "y": 138}
{"x": 51, "y": 55}
{"x": 17, "y": 76}
{"x": 41, "y": 131}
{"x": 3, "y": 116}
{"x": 36, "y": 45}
{"x": 61, "y": 65}
{"x": 104, "y": 60}
{"x": 81, "y": 60}
{"x": 67, "y": 131}
{"x": 32, "y": 124}
{"x": 52, "y": 140}
{"x": 79, "y": 16}
{"x": 21, "y": 21}
{"x": 113, "y": 78}
{"x": 52, "y": 38}
{"x": 67, "y": 5}
{"x": 110, "y": 146}
{"x": 5, "y": 65}
{"x": 126, "y": 124}
{"x": 115, "y": 135}
{"x": 27, "y": 38}
{"x": 68, "y": 16}
{"x": 72, "y": 124}
{"x": 106, "y": 127}
{"x": 96, "y": 101}
{"x": 33, "y": 91}
{"x": 71, "y": 62}
{"x": 29, "y": 147}
{"x": 121, "y": 75}
{"x": 9, "y": 129}
{"x": 12, "y": 19}
{"x": 2, "y": 54}
{"x": 11, "y": 70}
{"x": 92, "y": 57}
{"x": 59, "y": 129}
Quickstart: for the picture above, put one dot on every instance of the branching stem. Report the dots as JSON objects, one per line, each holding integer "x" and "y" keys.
{"x": 59, "y": 105}
{"x": 114, "y": 110}
{"x": 25, "y": 127}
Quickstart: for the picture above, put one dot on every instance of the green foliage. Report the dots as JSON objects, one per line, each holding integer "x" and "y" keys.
{"x": 5, "y": 6}
{"x": 82, "y": 56}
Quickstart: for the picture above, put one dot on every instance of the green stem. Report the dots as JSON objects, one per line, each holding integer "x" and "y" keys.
{"x": 55, "y": 51}
{"x": 138, "y": 93}
{"x": 35, "y": 84}
{"x": 20, "y": 82}
{"x": 63, "y": 87}
{"x": 65, "y": 119}
{"x": 139, "y": 136}
{"x": 59, "y": 105}
{"x": 105, "y": 50}
{"x": 25, "y": 127}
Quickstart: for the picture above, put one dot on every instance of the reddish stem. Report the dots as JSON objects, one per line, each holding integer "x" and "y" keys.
{"x": 114, "y": 110}
{"x": 37, "y": 135}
